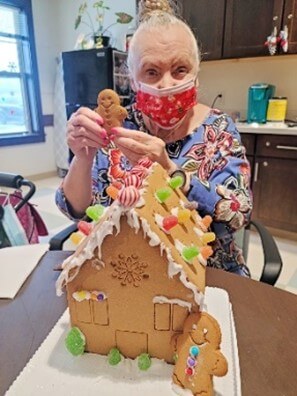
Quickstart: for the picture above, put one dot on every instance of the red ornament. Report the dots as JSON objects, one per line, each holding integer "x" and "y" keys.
{"x": 189, "y": 371}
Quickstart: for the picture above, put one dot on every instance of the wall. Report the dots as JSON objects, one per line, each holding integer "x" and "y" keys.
{"x": 68, "y": 11}
{"x": 233, "y": 77}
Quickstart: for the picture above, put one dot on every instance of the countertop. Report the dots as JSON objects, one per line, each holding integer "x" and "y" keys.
{"x": 271, "y": 128}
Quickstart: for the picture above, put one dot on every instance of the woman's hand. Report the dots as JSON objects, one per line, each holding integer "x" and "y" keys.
{"x": 85, "y": 133}
{"x": 136, "y": 145}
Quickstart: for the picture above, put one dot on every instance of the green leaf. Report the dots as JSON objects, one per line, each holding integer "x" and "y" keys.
{"x": 77, "y": 22}
{"x": 82, "y": 8}
{"x": 123, "y": 17}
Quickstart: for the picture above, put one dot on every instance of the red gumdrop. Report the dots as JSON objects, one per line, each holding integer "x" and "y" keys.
{"x": 84, "y": 227}
{"x": 169, "y": 222}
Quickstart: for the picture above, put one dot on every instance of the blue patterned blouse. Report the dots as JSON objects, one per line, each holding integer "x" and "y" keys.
{"x": 220, "y": 176}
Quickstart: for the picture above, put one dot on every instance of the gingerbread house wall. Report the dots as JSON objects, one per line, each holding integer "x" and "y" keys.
{"x": 134, "y": 273}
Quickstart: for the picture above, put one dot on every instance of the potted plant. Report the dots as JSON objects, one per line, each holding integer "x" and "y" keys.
{"x": 96, "y": 23}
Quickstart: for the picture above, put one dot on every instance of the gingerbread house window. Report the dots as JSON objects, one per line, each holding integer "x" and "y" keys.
{"x": 91, "y": 307}
{"x": 169, "y": 315}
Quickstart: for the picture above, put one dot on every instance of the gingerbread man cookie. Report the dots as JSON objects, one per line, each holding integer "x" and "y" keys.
{"x": 110, "y": 110}
{"x": 198, "y": 355}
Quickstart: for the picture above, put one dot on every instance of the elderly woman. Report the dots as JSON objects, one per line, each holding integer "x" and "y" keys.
{"x": 194, "y": 139}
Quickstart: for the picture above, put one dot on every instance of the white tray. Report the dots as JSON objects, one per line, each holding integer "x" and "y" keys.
{"x": 53, "y": 371}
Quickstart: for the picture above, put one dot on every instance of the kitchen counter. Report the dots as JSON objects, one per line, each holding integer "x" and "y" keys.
{"x": 271, "y": 128}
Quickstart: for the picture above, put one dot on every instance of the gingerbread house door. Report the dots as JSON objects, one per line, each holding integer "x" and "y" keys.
{"x": 131, "y": 344}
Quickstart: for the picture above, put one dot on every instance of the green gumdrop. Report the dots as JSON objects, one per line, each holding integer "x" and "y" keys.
{"x": 95, "y": 212}
{"x": 176, "y": 182}
{"x": 162, "y": 194}
{"x": 190, "y": 252}
{"x": 114, "y": 357}
{"x": 75, "y": 342}
{"x": 144, "y": 362}
{"x": 175, "y": 358}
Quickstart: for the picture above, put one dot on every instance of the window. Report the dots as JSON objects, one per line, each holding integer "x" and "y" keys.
{"x": 20, "y": 105}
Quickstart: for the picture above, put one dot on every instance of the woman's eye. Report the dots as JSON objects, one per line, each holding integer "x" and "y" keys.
{"x": 151, "y": 72}
{"x": 181, "y": 70}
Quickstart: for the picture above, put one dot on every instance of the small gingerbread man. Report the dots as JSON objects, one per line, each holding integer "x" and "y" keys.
{"x": 110, "y": 110}
{"x": 198, "y": 355}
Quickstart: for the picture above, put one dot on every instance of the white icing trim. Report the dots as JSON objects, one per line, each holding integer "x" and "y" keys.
{"x": 174, "y": 211}
{"x": 199, "y": 232}
{"x": 154, "y": 239}
{"x": 165, "y": 300}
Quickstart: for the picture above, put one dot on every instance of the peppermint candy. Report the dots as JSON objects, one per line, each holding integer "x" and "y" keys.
{"x": 145, "y": 162}
{"x": 128, "y": 196}
{"x": 133, "y": 180}
{"x": 139, "y": 170}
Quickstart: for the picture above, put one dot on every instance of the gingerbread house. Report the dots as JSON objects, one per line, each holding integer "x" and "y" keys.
{"x": 140, "y": 273}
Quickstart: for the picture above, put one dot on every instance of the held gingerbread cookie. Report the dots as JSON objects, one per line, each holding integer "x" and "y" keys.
{"x": 198, "y": 355}
{"x": 110, "y": 110}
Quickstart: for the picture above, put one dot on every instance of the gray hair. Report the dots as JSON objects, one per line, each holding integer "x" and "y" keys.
{"x": 160, "y": 20}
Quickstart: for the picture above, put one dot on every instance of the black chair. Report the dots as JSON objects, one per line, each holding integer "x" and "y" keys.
{"x": 272, "y": 259}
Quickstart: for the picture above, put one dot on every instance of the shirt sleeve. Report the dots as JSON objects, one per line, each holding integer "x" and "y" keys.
{"x": 221, "y": 183}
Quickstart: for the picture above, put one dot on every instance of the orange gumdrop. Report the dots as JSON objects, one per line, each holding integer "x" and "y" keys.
{"x": 112, "y": 192}
{"x": 207, "y": 220}
{"x": 206, "y": 251}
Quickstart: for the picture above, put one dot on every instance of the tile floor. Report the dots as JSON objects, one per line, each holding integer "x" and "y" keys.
{"x": 56, "y": 221}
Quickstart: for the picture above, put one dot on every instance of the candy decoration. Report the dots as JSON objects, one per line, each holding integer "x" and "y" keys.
{"x": 84, "y": 227}
{"x": 194, "y": 350}
{"x": 208, "y": 237}
{"x": 128, "y": 196}
{"x": 207, "y": 220}
{"x": 192, "y": 360}
{"x": 189, "y": 252}
{"x": 112, "y": 192}
{"x": 76, "y": 238}
{"x": 75, "y": 341}
{"x": 117, "y": 184}
{"x": 144, "y": 362}
{"x": 206, "y": 251}
{"x": 162, "y": 194}
{"x": 140, "y": 171}
{"x": 94, "y": 212}
{"x": 114, "y": 357}
{"x": 82, "y": 295}
{"x": 176, "y": 182}
{"x": 133, "y": 180}
{"x": 145, "y": 162}
{"x": 183, "y": 215}
{"x": 169, "y": 222}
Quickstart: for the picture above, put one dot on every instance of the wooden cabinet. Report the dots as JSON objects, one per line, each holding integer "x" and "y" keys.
{"x": 206, "y": 18}
{"x": 239, "y": 28}
{"x": 290, "y": 20}
{"x": 247, "y": 25}
{"x": 274, "y": 179}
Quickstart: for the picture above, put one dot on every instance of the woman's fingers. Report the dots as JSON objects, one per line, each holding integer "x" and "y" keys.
{"x": 139, "y": 136}
{"x": 131, "y": 145}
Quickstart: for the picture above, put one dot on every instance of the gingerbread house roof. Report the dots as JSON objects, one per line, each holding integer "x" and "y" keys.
{"x": 145, "y": 213}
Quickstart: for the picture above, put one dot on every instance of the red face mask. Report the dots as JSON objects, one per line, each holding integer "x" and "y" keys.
{"x": 166, "y": 106}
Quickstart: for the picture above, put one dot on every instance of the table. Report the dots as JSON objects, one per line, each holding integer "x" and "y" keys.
{"x": 265, "y": 319}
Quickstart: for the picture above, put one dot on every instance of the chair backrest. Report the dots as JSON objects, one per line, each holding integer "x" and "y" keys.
{"x": 242, "y": 237}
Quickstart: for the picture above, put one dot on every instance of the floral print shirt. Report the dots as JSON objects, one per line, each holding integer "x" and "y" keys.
{"x": 220, "y": 176}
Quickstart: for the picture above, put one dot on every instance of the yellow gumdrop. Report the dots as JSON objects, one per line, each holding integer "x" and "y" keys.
{"x": 208, "y": 237}
{"x": 76, "y": 238}
{"x": 81, "y": 294}
{"x": 183, "y": 215}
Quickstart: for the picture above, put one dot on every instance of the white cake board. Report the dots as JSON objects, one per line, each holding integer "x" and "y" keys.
{"x": 53, "y": 371}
